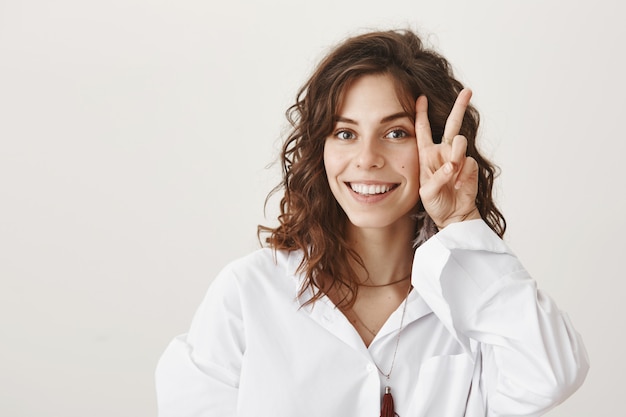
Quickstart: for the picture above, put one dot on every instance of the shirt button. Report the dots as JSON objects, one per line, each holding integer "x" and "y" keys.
{"x": 369, "y": 368}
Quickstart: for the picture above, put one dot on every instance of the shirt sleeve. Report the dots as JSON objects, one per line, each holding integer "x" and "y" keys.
{"x": 198, "y": 374}
{"x": 532, "y": 358}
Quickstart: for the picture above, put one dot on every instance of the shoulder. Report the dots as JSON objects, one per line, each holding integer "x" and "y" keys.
{"x": 263, "y": 261}
{"x": 260, "y": 270}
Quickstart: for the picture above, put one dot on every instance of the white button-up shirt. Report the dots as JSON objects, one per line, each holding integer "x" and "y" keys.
{"x": 478, "y": 339}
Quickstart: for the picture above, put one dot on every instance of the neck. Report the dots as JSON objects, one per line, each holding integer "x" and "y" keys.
{"x": 387, "y": 253}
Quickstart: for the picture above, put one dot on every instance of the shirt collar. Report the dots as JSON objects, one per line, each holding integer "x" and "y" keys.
{"x": 415, "y": 309}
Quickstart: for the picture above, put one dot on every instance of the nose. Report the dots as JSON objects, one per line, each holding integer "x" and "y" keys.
{"x": 370, "y": 154}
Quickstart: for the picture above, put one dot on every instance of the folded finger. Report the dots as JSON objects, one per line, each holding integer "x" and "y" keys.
{"x": 439, "y": 179}
{"x": 468, "y": 173}
{"x": 459, "y": 149}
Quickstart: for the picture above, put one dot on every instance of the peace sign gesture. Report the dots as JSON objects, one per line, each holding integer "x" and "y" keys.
{"x": 448, "y": 178}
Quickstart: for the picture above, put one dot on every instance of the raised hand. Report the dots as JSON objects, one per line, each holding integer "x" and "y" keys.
{"x": 448, "y": 178}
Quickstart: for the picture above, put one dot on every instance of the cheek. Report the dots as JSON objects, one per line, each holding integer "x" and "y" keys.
{"x": 332, "y": 169}
{"x": 328, "y": 164}
{"x": 409, "y": 164}
{"x": 334, "y": 162}
{"x": 410, "y": 170}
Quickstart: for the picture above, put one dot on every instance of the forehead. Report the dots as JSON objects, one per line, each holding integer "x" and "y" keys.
{"x": 375, "y": 93}
{"x": 370, "y": 92}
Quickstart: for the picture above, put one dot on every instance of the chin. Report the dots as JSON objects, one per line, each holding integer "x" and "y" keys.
{"x": 379, "y": 222}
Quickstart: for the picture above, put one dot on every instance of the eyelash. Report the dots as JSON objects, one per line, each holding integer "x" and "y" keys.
{"x": 403, "y": 134}
{"x": 339, "y": 132}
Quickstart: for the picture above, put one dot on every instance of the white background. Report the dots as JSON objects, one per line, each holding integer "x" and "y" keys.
{"x": 134, "y": 140}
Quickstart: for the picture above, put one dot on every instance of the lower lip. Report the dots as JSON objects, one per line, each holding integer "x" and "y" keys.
{"x": 370, "y": 198}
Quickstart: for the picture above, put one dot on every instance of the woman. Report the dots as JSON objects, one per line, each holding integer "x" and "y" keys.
{"x": 341, "y": 315}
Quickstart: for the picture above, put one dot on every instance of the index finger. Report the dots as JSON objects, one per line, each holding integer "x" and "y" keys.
{"x": 455, "y": 119}
{"x": 422, "y": 125}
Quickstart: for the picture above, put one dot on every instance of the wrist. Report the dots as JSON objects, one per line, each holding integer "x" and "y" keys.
{"x": 473, "y": 214}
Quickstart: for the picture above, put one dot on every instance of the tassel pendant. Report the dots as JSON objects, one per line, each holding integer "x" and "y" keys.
{"x": 387, "y": 408}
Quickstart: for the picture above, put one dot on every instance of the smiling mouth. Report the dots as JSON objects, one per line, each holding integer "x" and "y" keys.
{"x": 371, "y": 189}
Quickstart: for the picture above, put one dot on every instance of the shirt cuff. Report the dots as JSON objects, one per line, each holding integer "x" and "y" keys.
{"x": 454, "y": 270}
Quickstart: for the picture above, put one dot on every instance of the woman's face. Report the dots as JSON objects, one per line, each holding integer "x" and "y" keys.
{"x": 371, "y": 156}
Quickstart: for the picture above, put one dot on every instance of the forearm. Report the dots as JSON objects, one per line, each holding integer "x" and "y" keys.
{"x": 198, "y": 374}
{"x": 532, "y": 356}
{"x": 186, "y": 388}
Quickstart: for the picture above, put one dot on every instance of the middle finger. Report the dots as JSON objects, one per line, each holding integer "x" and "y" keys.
{"x": 455, "y": 119}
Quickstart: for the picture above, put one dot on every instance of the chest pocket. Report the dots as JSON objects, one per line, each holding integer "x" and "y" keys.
{"x": 443, "y": 386}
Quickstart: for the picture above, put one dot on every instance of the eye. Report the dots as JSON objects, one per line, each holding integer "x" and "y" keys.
{"x": 344, "y": 135}
{"x": 396, "y": 134}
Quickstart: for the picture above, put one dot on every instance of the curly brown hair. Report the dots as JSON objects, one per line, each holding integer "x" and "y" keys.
{"x": 310, "y": 219}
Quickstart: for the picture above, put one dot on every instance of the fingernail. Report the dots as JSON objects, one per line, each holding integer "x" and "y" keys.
{"x": 447, "y": 168}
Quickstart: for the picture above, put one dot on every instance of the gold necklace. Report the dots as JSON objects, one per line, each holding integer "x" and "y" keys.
{"x": 373, "y": 333}
{"x": 387, "y": 284}
{"x": 356, "y": 316}
{"x": 395, "y": 351}
{"x": 387, "y": 407}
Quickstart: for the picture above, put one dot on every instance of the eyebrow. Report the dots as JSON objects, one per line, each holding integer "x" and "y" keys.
{"x": 385, "y": 119}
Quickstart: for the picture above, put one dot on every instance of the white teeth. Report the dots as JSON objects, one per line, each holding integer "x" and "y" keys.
{"x": 369, "y": 189}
